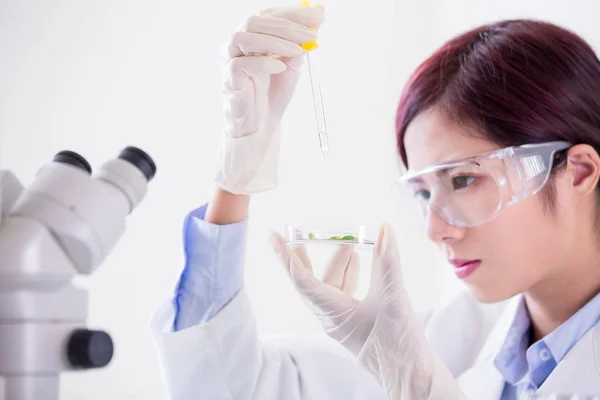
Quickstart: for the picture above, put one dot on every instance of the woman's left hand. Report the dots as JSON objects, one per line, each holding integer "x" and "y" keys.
{"x": 382, "y": 330}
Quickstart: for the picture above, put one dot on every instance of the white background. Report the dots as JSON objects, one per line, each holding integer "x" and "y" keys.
{"x": 95, "y": 76}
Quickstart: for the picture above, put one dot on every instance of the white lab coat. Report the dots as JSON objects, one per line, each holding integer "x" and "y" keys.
{"x": 225, "y": 359}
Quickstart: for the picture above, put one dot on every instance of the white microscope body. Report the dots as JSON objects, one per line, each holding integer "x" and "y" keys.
{"x": 64, "y": 224}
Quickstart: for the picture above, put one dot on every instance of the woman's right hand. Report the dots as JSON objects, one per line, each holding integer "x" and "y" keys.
{"x": 262, "y": 67}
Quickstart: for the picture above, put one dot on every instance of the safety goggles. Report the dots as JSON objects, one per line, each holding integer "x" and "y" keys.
{"x": 474, "y": 190}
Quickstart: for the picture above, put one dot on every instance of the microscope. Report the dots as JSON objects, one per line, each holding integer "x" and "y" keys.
{"x": 64, "y": 224}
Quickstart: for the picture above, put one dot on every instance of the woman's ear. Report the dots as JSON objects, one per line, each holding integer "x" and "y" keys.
{"x": 583, "y": 167}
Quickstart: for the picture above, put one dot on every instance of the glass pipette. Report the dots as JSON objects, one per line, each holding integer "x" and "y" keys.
{"x": 316, "y": 91}
{"x": 318, "y": 103}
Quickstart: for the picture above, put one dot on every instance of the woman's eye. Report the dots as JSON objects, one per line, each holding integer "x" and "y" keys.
{"x": 422, "y": 194}
{"x": 461, "y": 182}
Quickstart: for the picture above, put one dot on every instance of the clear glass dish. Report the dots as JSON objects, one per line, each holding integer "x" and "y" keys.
{"x": 322, "y": 244}
{"x": 296, "y": 234}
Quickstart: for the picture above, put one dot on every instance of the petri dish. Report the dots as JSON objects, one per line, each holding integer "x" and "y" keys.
{"x": 322, "y": 244}
{"x": 297, "y": 234}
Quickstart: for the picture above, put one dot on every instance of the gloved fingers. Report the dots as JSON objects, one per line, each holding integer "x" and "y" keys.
{"x": 277, "y": 31}
{"x": 281, "y": 27}
{"x": 335, "y": 309}
{"x": 331, "y": 303}
{"x": 292, "y": 63}
{"x": 298, "y": 266}
{"x": 351, "y": 275}
{"x": 303, "y": 278}
{"x": 341, "y": 271}
{"x": 242, "y": 68}
{"x": 386, "y": 272}
{"x": 250, "y": 44}
{"x": 311, "y": 17}
{"x": 300, "y": 251}
{"x": 284, "y": 252}
{"x": 281, "y": 249}
{"x": 336, "y": 267}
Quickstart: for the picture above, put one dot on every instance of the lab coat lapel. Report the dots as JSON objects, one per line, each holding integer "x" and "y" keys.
{"x": 483, "y": 381}
{"x": 579, "y": 371}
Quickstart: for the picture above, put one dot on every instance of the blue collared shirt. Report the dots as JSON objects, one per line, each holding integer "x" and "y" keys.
{"x": 214, "y": 269}
{"x": 524, "y": 367}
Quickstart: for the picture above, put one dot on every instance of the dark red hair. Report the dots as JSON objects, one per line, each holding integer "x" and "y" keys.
{"x": 515, "y": 82}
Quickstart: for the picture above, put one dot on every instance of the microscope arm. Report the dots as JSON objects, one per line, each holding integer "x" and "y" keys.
{"x": 10, "y": 190}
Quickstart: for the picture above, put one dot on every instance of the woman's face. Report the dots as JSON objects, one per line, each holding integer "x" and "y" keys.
{"x": 518, "y": 249}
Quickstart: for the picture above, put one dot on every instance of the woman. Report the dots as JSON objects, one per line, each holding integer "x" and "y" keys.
{"x": 499, "y": 130}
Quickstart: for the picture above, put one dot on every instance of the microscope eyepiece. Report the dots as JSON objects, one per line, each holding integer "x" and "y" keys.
{"x": 71, "y": 158}
{"x": 140, "y": 159}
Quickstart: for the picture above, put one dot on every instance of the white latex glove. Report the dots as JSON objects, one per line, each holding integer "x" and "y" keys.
{"x": 382, "y": 330}
{"x": 263, "y": 60}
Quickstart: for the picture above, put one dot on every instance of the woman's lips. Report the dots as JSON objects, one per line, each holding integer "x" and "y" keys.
{"x": 464, "y": 268}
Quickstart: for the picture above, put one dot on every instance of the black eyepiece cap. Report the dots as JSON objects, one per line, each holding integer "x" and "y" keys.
{"x": 140, "y": 159}
{"x": 71, "y": 158}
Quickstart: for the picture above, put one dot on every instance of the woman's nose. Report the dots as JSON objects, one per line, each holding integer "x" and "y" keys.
{"x": 439, "y": 230}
